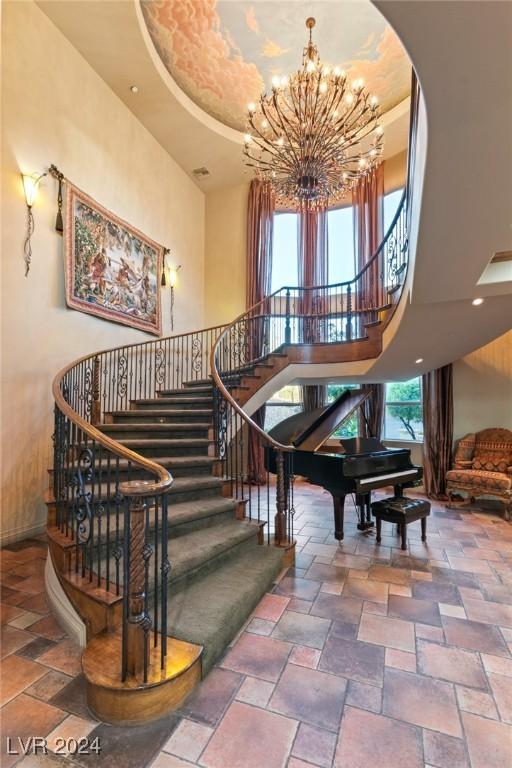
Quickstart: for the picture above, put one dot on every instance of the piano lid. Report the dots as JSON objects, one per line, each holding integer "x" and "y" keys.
{"x": 309, "y": 429}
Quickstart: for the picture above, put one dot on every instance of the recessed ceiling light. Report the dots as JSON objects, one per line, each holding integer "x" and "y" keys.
{"x": 419, "y": 360}
{"x": 477, "y": 302}
{"x": 134, "y": 89}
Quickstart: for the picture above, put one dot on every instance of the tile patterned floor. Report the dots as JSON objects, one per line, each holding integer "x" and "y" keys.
{"x": 363, "y": 655}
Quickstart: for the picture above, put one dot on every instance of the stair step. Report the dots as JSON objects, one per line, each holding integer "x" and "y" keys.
{"x": 178, "y": 466}
{"x": 213, "y": 608}
{"x": 173, "y": 402}
{"x": 191, "y": 429}
{"x": 183, "y": 489}
{"x": 199, "y": 391}
{"x": 161, "y": 415}
{"x": 167, "y": 447}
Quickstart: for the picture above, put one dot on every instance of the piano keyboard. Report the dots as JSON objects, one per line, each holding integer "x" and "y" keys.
{"x": 378, "y": 478}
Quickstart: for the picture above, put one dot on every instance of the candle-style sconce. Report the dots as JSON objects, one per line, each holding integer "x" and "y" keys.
{"x": 172, "y": 278}
{"x": 30, "y": 187}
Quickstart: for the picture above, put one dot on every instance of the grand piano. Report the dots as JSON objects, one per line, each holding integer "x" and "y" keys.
{"x": 356, "y": 466}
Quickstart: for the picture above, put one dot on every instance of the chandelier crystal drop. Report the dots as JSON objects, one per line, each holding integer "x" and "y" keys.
{"x": 315, "y": 135}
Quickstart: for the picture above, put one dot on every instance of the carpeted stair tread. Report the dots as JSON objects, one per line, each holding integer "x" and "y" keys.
{"x": 171, "y": 400}
{"x": 162, "y": 442}
{"x": 161, "y": 412}
{"x": 165, "y": 461}
{"x": 212, "y": 609}
{"x": 206, "y": 388}
{"x": 188, "y": 484}
{"x": 152, "y": 427}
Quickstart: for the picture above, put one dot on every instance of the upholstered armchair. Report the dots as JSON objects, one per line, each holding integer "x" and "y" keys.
{"x": 483, "y": 466}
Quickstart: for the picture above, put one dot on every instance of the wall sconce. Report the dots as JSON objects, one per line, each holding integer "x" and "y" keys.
{"x": 173, "y": 279}
{"x": 30, "y": 187}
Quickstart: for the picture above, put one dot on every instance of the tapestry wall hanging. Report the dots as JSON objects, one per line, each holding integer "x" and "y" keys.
{"x": 112, "y": 269}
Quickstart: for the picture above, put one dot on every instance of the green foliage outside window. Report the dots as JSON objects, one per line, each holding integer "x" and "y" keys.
{"x": 403, "y": 402}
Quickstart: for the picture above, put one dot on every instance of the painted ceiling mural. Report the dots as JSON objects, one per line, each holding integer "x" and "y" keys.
{"x": 224, "y": 53}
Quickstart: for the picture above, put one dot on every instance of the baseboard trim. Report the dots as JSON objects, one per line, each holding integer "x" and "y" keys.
{"x": 65, "y": 614}
{"x": 22, "y": 532}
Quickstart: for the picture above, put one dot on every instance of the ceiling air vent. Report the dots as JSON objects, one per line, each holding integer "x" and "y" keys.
{"x": 201, "y": 173}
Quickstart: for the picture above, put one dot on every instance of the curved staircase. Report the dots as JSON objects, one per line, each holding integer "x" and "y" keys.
{"x": 164, "y": 529}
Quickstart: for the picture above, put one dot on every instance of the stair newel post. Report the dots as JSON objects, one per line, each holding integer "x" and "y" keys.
{"x": 280, "y": 522}
{"x": 96, "y": 403}
{"x": 135, "y": 618}
{"x": 287, "y": 328}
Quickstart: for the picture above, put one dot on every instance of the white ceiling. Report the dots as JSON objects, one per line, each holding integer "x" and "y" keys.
{"x": 113, "y": 38}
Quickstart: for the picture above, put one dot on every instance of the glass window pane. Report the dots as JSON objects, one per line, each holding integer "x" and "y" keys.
{"x": 404, "y": 391}
{"x": 284, "y": 252}
{"x": 391, "y": 202}
{"x": 403, "y": 422}
{"x": 341, "y": 245}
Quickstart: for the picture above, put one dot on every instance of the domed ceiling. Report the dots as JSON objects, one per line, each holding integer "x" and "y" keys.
{"x": 224, "y": 53}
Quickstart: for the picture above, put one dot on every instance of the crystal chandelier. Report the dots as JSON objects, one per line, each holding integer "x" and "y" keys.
{"x": 314, "y": 135}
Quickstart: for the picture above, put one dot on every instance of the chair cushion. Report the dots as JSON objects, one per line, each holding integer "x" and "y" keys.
{"x": 489, "y": 460}
{"x": 481, "y": 479}
{"x": 399, "y": 509}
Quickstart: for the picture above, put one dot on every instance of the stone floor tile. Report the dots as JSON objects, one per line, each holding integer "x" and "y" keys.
{"x": 399, "y": 589}
{"x": 315, "y": 745}
{"x": 469, "y": 565}
{"x": 400, "y": 660}
{"x": 479, "y": 553}
{"x": 412, "y": 609}
{"x": 188, "y": 740}
{"x": 366, "y": 589}
{"x": 73, "y": 697}
{"x": 10, "y": 612}
{"x": 364, "y": 696}
{"x": 452, "y": 664}
{"x": 381, "y": 630}
{"x": 386, "y": 743}
{"x": 302, "y": 588}
{"x": 498, "y": 593}
{"x": 25, "y": 620}
{"x": 262, "y": 657}
{"x": 260, "y": 627}
{"x": 66, "y": 656}
{"x": 299, "y": 606}
{"x": 49, "y": 685}
{"x": 165, "y": 760}
{"x": 271, "y": 607}
{"x": 457, "y": 611}
{"x": 378, "y": 608}
{"x": 72, "y": 727}
{"x": 32, "y": 585}
{"x": 355, "y": 574}
{"x": 303, "y": 629}
{"x": 477, "y": 702}
{"x": 474, "y": 636}
{"x": 322, "y": 572}
{"x": 23, "y": 717}
{"x": 355, "y": 660}
{"x": 47, "y": 627}
{"x": 304, "y": 657}
{"x": 210, "y": 700}
{"x": 436, "y": 591}
{"x": 429, "y": 633}
{"x": 344, "y": 629}
{"x": 501, "y": 687}
{"x": 489, "y": 742}
{"x": 331, "y": 588}
{"x": 488, "y": 612}
{"x": 17, "y": 674}
{"x": 497, "y": 664}
{"x": 243, "y": 737}
{"x": 444, "y": 751}
{"x": 352, "y": 561}
{"x": 309, "y": 695}
{"x": 391, "y": 575}
{"x": 123, "y": 747}
{"x": 345, "y": 609}
{"x": 254, "y": 691}
{"x": 469, "y": 592}
{"x": 37, "y": 603}
{"x": 422, "y": 701}
{"x": 12, "y": 639}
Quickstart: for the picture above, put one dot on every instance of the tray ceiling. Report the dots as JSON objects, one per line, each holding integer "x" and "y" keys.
{"x": 224, "y": 53}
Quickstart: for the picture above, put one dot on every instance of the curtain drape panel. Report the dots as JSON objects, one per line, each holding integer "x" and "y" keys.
{"x": 260, "y": 230}
{"x": 438, "y": 429}
{"x": 373, "y": 410}
{"x": 368, "y": 202}
{"x": 313, "y": 270}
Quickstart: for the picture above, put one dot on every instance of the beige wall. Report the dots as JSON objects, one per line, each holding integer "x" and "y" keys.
{"x": 56, "y": 109}
{"x": 482, "y": 388}
{"x": 225, "y": 244}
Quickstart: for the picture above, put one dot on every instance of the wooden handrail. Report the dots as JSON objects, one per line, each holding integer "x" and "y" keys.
{"x": 131, "y": 487}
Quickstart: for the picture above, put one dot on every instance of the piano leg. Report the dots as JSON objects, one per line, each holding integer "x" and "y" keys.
{"x": 339, "y": 515}
{"x": 363, "y": 511}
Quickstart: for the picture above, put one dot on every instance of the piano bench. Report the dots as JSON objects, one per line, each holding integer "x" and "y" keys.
{"x": 402, "y": 511}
